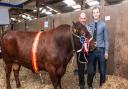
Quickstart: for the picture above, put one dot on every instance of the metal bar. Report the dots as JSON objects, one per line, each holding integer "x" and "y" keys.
{"x": 11, "y": 5}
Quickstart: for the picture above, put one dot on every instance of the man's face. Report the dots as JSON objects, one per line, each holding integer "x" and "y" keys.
{"x": 96, "y": 14}
{"x": 83, "y": 18}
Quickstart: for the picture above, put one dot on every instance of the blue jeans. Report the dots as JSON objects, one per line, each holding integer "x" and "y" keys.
{"x": 96, "y": 55}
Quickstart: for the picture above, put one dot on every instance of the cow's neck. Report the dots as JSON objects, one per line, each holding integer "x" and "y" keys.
{"x": 76, "y": 43}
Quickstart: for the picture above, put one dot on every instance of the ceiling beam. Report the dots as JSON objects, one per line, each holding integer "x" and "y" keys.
{"x": 46, "y": 2}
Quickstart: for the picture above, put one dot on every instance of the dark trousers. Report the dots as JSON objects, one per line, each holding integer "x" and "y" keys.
{"x": 81, "y": 71}
{"x": 96, "y": 55}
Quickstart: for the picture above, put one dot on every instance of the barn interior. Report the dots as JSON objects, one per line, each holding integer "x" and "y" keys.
{"x": 44, "y": 15}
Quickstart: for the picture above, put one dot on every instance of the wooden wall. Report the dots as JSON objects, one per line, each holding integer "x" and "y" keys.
{"x": 118, "y": 33}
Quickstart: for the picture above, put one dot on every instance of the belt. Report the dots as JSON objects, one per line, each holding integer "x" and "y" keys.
{"x": 99, "y": 48}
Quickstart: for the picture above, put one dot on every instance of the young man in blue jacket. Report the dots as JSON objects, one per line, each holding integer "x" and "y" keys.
{"x": 100, "y": 53}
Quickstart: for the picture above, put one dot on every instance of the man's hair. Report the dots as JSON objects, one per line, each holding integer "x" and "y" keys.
{"x": 82, "y": 13}
{"x": 96, "y": 7}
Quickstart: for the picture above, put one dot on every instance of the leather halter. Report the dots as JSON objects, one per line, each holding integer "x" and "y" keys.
{"x": 73, "y": 46}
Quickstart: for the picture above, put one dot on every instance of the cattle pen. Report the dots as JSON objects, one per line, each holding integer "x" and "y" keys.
{"x": 44, "y": 15}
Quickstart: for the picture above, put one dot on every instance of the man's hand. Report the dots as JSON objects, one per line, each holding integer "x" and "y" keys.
{"x": 106, "y": 55}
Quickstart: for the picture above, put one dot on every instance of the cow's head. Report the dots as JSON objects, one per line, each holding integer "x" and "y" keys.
{"x": 85, "y": 36}
{"x": 79, "y": 29}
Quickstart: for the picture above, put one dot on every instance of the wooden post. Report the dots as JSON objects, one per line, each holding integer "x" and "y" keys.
{"x": 102, "y": 3}
{"x": 37, "y": 7}
{"x": 25, "y": 25}
{"x": 82, "y": 4}
{"x": 53, "y": 23}
{"x": 2, "y": 28}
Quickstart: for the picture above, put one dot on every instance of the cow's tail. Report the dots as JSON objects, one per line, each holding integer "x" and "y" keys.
{"x": 1, "y": 37}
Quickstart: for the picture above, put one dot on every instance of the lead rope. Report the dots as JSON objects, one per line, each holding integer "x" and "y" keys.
{"x": 73, "y": 47}
{"x": 82, "y": 40}
{"x": 85, "y": 59}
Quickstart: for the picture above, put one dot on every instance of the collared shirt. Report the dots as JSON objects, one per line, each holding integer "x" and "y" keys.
{"x": 102, "y": 34}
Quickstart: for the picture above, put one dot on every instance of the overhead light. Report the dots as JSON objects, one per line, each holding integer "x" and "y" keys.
{"x": 93, "y": 3}
{"x": 13, "y": 19}
{"x": 48, "y": 13}
{"x": 27, "y": 14}
{"x": 20, "y": 14}
{"x": 35, "y": 18}
{"x": 23, "y": 16}
{"x": 58, "y": 13}
{"x": 34, "y": 10}
{"x": 29, "y": 18}
{"x": 76, "y": 6}
{"x": 69, "y": 2}
{"x": 43, "y": 11}
{"x": 19, "y": 21}
{"x": 40, "y": 9}
{"x": 49, "y": 8}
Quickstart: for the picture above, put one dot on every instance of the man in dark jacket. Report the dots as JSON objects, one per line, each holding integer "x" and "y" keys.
{"x": 81, "y": 66}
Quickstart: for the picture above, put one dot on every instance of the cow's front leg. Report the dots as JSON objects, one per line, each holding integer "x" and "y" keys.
{"x": 16, "y": 69}
{"x": 53, "y": 75}
{"x": 60, "y": 72}
{"x": 8, "y": 69}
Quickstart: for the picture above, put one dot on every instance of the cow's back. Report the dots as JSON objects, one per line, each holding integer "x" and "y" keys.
{"x": 53, "y": 44}
{"x": 8, "y": 44}
{"x": 17, "y": 44}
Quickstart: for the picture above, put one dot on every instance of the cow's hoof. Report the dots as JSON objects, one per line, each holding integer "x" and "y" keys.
{"x": 18, "y": 85}
{"x": 42, "y": 82}
{"x": 9, "y": 88}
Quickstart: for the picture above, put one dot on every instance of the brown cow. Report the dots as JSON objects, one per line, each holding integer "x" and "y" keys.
{"x": 54, "y": 51}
